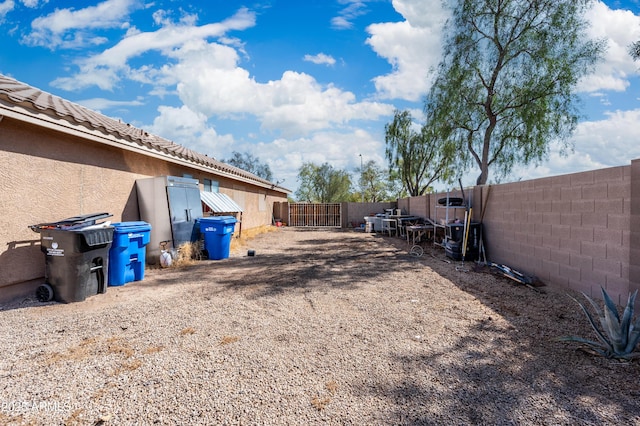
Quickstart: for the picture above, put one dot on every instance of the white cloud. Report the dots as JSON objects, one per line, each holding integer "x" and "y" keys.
{"x": 412, "y": 47}
{"x": 190, "y": 128}
{"x": 106, "y": 68}
{"x": 163, "y": 18}
{"x": 340, "y": 23}
{"x": 99, "y": 104}
{"x": 66, "y": 27}
{"x": 317, "y": 122}
{"x": 619, "y": 28}
{"x": 422, "y": 14}
{"x": 211, "y": 82}
{"x": 354, "y": 9}
{"x": 33, "y": 3}
{"x": 610, "y": 142}
{"x": 340, "y": 149}
{"x": 6, "y": 7}
{"x": 284, "y": 156}
{"x": 320, "y": 58}
{"x": 598, "y": 144}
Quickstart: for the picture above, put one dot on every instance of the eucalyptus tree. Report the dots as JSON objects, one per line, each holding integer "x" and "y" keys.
{"x": 506, "y": 86}
{"x": 323, "y": 184}
{"x": 248, "y": 162}
{"x": 417, "y": 157}
{"x": 374, "y": 182}
{"x": 396, "y": 188}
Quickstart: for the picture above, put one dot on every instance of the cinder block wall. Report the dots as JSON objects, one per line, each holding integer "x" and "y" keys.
{"x": 570, "y": 231}
{"x": 427, "y": 205}
{"x": 578, "y": 231}
{"x": 634, "y": 234}
{"x": 354, "y": 213}
{"x": 403, "y": 204}
{"x": 416, "y": 206}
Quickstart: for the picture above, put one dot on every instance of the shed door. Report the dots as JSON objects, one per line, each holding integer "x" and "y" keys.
{"x": 184, "y": 207}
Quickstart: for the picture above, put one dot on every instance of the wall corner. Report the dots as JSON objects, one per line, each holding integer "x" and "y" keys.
{"x": 634, "y": 245}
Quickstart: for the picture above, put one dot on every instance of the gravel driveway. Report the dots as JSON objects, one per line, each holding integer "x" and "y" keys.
{"x": 319, "y": 327}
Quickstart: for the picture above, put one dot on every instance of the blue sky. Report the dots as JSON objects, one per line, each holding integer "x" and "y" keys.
{"x": 290, "y": 81}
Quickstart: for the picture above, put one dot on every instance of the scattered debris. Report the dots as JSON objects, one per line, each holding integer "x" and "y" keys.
{"x": 228, "y": 340}
{"x": 517, "y": 276}
{"x": 461, "y": 268}
{"x": 417, "y": 251}
{"x": 188, "y": 330}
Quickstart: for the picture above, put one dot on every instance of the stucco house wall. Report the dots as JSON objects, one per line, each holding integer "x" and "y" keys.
{"x": 55, "y": 168}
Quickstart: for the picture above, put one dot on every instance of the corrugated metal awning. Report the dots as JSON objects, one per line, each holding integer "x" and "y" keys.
{"x": 219, "y": 202}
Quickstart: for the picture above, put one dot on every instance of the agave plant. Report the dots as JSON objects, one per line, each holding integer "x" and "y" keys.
{"x": 617, "y": 337}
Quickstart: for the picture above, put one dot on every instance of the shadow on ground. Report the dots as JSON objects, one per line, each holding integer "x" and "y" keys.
{"x": 518, "y": 374}
{"x": 312, "y": 262}
{"x": 521, "y": 375}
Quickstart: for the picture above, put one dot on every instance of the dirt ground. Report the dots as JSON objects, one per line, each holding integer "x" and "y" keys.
{"x": 404, "y": 339}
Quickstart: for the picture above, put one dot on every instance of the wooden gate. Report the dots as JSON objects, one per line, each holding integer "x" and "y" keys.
{"x": 317, "y": 215}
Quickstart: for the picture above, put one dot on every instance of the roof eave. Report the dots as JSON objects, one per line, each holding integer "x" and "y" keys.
{"x": 61, "y": 125}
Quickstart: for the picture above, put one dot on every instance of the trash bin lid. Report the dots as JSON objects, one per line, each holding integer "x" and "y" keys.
{"x": 219, "y": 219}
{"x": 126, "y": 227}
{"x": 70, "y": 223}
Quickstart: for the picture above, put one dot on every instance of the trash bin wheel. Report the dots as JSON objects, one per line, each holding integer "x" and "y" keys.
{"x": 44, "y": 293}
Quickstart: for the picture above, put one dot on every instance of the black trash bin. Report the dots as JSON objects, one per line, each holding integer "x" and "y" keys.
{"x": 455, "y": 241}
{"x": 77, "y": 257}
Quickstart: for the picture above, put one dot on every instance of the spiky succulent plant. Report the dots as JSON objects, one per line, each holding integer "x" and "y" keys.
{"x": 617, "y": 336}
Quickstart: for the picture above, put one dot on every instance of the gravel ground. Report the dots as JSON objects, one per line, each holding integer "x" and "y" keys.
{"x": 319, "y": 327}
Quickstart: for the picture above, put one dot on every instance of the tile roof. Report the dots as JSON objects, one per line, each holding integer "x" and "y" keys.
{"x": 36, "y": 101}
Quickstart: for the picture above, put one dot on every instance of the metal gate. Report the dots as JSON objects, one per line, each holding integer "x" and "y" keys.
{"x": 318, "y": 215}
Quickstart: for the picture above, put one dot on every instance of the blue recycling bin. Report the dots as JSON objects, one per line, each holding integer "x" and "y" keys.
{"x": 127, "y": 254}
{"x": 217, "y": 232}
